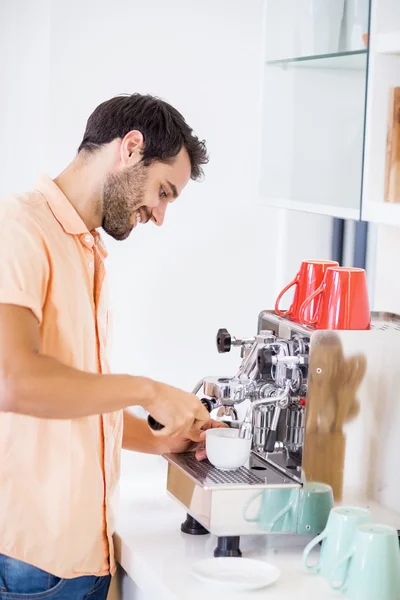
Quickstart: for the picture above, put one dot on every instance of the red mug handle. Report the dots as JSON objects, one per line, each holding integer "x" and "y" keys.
{"x": 283, "y": 292}
{"x": 306, "y": 302}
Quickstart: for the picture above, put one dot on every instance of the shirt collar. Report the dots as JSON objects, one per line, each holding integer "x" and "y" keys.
{"x": 64, "y": 212}
{"x": 60, "y": 206}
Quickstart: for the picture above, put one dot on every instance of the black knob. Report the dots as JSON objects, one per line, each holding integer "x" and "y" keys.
{"x": 224, "y": 341}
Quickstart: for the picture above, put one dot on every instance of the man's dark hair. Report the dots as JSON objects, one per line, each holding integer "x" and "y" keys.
{"x": 164, "y": 129}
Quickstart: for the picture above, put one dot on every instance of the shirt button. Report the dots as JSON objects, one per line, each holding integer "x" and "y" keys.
{"x": 90, "y": 265}
{"x": 88, "y": 239}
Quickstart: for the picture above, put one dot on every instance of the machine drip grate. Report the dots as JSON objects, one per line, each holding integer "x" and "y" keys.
{"x": 385, "y": 322}
{"x": 206, "y": 471}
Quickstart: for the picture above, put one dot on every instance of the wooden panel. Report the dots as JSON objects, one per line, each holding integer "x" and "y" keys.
{"x": 392, "y": 174}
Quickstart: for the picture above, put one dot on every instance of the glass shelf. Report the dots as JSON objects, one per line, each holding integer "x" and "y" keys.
{"x": 354, "y": 60}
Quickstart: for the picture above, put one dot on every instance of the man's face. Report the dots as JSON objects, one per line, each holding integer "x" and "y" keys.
{"x": 137, "y": 194}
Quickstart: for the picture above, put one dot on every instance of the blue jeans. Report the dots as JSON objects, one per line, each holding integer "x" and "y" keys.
{"x": 20, "y": 581}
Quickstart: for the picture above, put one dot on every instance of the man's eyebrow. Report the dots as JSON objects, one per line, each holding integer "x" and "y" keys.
{"x": 173, "y": 189}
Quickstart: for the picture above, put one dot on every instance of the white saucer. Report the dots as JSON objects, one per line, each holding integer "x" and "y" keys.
{"x": 236, "y": 573}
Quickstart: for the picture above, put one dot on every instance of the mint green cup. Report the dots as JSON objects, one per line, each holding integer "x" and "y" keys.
{"x": 276, "y": 511}
{"x": 315, "y": 505}
{"x": 291, "y": 510}
{"x": 371, "y": 569}
{"x": 337, "y": 540}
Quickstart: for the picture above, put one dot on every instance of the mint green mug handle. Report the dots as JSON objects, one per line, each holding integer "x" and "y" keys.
{"x": 341, "y": 586}
{"x": 246, "y": 506}
{"x": 280, "y": 514}
{"x": 315, "y": 568}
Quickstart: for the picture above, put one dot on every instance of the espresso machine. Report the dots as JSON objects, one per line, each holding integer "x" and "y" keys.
{"x": 324, "y": 414}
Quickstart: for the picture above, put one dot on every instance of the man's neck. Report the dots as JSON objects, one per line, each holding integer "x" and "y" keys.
{"x": 81, "y": 184}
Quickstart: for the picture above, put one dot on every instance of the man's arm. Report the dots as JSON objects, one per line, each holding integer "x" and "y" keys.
{"x": 37, "y": 385}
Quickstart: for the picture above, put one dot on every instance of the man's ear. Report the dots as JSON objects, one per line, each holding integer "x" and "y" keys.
{"x": 132, "y": 148}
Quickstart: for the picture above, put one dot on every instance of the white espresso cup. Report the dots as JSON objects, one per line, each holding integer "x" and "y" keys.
{"x": 225, "y": 449}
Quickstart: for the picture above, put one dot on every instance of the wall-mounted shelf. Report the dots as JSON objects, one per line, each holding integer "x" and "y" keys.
{"x": 313, "y": 112}
{"x": 354, "y": 60}
{"x": 313, "y": 208}
{"x": 388, "y": 43}
{"x": 384, "y": 75}
{"x": 386, "y": 213}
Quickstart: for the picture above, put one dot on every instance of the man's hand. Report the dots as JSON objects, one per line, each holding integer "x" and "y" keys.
{"x": 140, "y": 438}
{"x": 177, "y": 410}
{"x": 194, "y": 440}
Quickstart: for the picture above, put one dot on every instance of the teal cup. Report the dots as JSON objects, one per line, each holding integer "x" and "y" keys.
{"x": 315, "y": 504}
{"x": 291, "y": 510}
{"x": 337, "y": 539}
{"x": 371, "y": 568}
{"x": 275, "y": 511}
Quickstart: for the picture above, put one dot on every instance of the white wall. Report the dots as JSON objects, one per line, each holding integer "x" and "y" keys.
{"x": 387, "y": 280}
{"x": 24, "y": 61}
{"x": 220, "y": 258}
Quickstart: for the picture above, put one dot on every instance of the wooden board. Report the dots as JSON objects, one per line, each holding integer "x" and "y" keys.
{"x": 392, "y": 176}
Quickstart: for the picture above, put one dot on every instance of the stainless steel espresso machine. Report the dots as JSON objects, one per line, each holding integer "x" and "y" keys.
{"x": 324, "y": 413}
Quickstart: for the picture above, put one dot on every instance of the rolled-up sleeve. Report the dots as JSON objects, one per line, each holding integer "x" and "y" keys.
{"x": 24, "y": 263}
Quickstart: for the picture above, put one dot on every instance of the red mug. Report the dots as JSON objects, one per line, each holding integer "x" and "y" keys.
{"x": 307, "y": 281}
{"x": 343, "y": 301}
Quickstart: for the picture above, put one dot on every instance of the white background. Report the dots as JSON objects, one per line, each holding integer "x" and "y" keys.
{"x": 220, "y": 258}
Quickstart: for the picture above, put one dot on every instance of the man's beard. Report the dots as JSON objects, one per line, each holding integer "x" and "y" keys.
{"x": 123, "y": 195}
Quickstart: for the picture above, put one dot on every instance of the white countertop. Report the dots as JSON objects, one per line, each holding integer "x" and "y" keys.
{"x": 158, "y": 557}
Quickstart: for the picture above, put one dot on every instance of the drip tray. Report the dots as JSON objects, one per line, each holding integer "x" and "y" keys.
{"x": 258, "y": 473}
{"x": 383, "y": 321}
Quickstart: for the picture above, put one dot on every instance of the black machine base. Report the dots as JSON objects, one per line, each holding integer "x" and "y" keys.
{"x": 193, "y": 527}
{"x": 228, "y": 546}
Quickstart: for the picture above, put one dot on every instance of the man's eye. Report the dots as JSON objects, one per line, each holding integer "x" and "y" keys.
{"x": 163, "y": 193}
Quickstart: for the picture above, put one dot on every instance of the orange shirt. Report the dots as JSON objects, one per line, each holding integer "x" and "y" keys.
{"x": 58, "y": 478}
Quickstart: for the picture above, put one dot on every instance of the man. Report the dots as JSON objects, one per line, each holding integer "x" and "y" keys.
{"x": 61, "y": 419}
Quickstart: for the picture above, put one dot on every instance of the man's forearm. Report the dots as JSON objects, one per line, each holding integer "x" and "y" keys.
{"x": 44, "y": 387}
{"x": 40, "y": 386}
{"x": 139, "y": 437}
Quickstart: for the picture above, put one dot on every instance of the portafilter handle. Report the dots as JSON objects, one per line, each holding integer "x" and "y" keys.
{"x": 153, "y": 424}
{"x": 156, "y": 426}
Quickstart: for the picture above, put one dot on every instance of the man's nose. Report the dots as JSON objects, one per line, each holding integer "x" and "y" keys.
{"x": 158, "y": 214}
